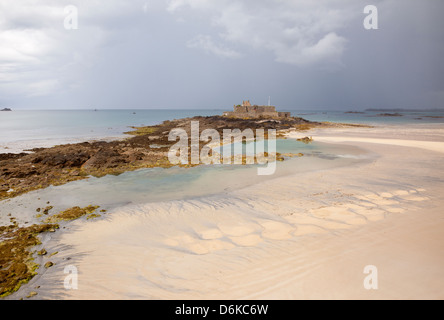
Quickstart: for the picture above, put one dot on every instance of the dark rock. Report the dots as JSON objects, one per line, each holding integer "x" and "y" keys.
{"x": 390, "y": 114}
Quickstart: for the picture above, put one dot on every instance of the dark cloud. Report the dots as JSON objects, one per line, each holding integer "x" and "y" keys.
{"x": 212, "y": 54}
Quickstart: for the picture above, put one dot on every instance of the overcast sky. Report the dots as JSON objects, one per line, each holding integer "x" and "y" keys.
{"x": 305, "y": 54}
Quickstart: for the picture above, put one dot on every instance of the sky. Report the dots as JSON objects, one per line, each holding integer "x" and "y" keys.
{"x": 212, "y": 54}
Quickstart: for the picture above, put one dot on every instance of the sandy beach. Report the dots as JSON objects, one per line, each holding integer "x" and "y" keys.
{"x": 303, "y": 236}
{"x": 221, "y": 150}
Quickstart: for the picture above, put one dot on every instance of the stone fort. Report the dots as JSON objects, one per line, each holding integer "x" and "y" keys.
{"x": 246, "y": 110}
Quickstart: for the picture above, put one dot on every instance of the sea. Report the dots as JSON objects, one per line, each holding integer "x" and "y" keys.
{"x": 26, "y": 129}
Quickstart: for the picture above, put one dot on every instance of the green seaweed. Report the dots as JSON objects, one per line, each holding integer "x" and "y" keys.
{"x": 17, "y": 266}
{"x": 93, "y": 216}
{"x": 142, "y": 131}
{"x": 71, "y": 214}
{"x": 306, "y": 140}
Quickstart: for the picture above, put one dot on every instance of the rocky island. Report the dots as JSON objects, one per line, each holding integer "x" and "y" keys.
{"x": 247, "y": 111}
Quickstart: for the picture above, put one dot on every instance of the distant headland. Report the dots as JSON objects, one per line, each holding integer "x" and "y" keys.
{"x": 6, "y": 109}
{"x": 404, "y": 110}
{"x": 246, "y": 110}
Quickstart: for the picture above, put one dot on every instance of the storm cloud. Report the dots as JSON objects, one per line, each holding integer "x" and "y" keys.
{"x": 214, "y": 53}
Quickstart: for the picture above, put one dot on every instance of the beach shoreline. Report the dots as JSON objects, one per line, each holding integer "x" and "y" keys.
{"x": 306, "y": 236}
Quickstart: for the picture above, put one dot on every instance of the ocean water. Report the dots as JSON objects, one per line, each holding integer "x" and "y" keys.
{"x": 24, "y": 129}
{"x": 373, "y": 117}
